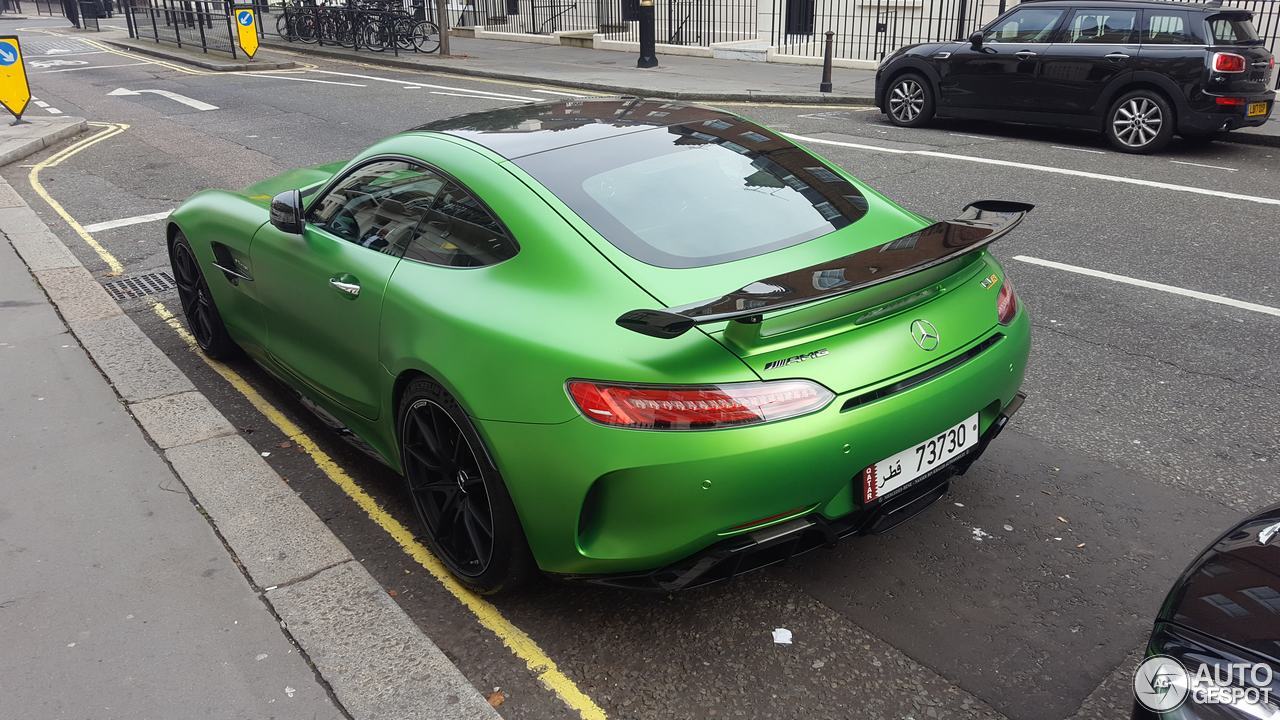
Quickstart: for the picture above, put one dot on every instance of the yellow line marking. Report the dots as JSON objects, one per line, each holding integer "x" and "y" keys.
{"x": 516, "y": 640}
{"x": 139, "y": 56}
{"x": 520, "y": 644}
{"x": 109, "y": 130}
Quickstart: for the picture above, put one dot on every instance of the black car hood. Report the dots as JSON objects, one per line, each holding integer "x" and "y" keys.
{"x": 1232, "y": 591}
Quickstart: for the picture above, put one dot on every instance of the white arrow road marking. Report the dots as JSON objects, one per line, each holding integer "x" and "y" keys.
{"x": 1219, "y": 299}
{"x": 1044, "y": 169}
{"x": 123, "y": 222}
{"x": 189, "y": 102}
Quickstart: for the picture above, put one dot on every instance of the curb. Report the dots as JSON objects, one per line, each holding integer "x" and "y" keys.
{"x": 1252, "y": 138}
{"x": 363, "y": 645}
{"x": 215, "y": 65}
{"x": 446, "y": 67}
{"x": 47, "y": 131}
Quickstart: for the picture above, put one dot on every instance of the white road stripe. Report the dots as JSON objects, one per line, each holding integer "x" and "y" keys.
{"x": 300, "y": 79}
{"x": 53, "y": 111}
{"x": 62, "y": 54}
{"x": 479, "y": 97}
{"x": 1063, "y": 147}
{"x": 1221, "y": 300}
{"x": 123, "y": 222}
{"x": 1045, "y": 169}
{"x": 1215, "y": 167}
{"x": 975, "y": 137}
{"x": 425, "y": 85}
{"x": 41, "y": 103}
{"x": 92, "y": 67}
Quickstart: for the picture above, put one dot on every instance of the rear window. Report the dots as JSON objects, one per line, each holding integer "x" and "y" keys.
{"x": 699, "y": 193}
{"x": 1233, "y": 30}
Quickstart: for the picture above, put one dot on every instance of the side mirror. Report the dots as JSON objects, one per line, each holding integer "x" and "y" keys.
{"x": 976, "y": 39}
{"x": 286, "y": 212}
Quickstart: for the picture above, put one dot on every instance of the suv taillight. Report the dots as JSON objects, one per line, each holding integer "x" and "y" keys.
{"x": 1006, "y": 304}
{"x": 696, "y": 407}
{"x": 1225, "y": 62}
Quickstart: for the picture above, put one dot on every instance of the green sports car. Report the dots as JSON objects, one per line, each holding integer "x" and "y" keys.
{"x": 643, "y": 343}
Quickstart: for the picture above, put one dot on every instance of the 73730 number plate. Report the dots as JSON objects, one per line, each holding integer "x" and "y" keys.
{"x": 897, "y": 471}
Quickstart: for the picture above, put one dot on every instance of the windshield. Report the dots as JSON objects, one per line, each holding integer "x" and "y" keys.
{"x": 1233, "y": 30}
{"x": 699, "y": 193}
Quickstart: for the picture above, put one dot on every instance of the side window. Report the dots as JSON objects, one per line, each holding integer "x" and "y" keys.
{"x": 1233, "y": 30}
{"x": 460, "y": 232}
{"x": 1167, "y": 27}
{"x": 1026, "y": 25}
{"x": 378, "y": 206}
{"x": 1101, "y": 26}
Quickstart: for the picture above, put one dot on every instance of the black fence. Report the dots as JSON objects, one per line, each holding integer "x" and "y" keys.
{"x": 678, "y": 22}
{"x": 871, "y": 29}
{"x": 204, "y": 24}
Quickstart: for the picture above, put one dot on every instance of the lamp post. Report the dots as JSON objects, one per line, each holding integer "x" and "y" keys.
{"x": 648, "y": 52}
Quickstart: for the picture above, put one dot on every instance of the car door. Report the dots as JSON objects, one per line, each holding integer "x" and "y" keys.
{"x": 1096, "y": 46}
{"x": 1000, "y": 73}
{"x": 323, "y": 289}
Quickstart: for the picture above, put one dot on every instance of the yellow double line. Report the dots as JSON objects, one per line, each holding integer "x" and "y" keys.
{"x": 515, "y": 639}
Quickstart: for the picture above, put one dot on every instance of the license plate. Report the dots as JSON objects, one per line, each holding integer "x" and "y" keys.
{"x": 898, "y": 471}
{"x": 1256, "y": 109}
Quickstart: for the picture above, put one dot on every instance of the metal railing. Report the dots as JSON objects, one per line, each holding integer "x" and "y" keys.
{"x": 871, "y": 29}
{"x": 678, "y": 22}
{"x": 373, "y": 26}
{"x": 204, "y": 24}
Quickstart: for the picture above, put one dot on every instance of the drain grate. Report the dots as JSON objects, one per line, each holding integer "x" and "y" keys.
{"x": 140, "y": 285}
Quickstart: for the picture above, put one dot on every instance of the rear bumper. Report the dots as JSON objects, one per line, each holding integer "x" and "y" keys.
{"x": 1205, "y": 116}
{"x": 778, "y": 543}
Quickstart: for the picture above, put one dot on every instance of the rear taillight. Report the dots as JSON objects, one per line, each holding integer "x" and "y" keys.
{"x": 1230, "y": 101}
{"x": 1225, "y": 62}
{"x": 1006, "y": 304}
{"x": 696, "y": 407}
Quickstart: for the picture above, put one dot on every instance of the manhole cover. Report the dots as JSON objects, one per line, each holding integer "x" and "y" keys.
{"x": 140, "y": 285}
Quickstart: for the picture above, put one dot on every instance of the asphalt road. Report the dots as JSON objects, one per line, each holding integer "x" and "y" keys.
{"x": 1151, "y": 425}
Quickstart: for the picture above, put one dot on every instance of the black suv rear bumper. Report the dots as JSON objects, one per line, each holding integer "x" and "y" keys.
{"x": 1206, "y": 116}
{"x": 777, "y": 543}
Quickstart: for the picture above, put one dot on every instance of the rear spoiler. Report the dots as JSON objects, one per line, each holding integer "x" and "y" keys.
{"x": 979, "y": 225}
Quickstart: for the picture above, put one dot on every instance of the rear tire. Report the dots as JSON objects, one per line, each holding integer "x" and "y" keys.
{"x": 197, "y": 302}
{"x": 1140, "y": 122}
{"x": 459, "y": 496}
{"x": 909, "y": 101}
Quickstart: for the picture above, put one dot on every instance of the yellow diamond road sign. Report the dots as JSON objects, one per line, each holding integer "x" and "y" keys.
{"x": 15, "y": 93}
{"x": 246, "y": 29}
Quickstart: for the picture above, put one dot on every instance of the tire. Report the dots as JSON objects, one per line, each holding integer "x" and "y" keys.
{"x": 284, "y": 27}
{"x": 197, "y": 302}
{"x": 426, "y": 37}
{"x": 1140, "y": 122}
{"x": 455, "y": 490}
{"x": 909, "y": 101}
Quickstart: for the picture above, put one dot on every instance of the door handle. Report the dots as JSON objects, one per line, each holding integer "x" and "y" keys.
{"x": 1024, "y": 54}
{"x": 343, "y": 284}
{"x": 1116, "y": 56}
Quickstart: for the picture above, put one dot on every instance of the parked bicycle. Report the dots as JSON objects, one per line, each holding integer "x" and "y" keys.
{"x": 376, "y": 25}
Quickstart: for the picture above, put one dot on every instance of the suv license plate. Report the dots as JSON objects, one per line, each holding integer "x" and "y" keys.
{"x": 1256, "y": 109}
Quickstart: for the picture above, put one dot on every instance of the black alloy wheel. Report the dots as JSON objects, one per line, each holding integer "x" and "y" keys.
{"x": 197, "y": 303}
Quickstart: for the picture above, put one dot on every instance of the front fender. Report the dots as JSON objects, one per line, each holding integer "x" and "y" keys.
{"x": 913, "y": 63}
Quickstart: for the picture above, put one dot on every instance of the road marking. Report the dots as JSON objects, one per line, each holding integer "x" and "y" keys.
{"x": 1076, "y": 149}
{"x": 189, "y": 102}
{"x": 515, "y": 639}
{"x": 1046, "y": 169}
{"x": 145, "y": 61}
{"x": 478, "y": 97}
{"x": 91, "y": 67}
{"x": 125, "y": 222}
{"x": 556, "y": 92}
{"x": 400, "y": 82}
{"x": 109, "y": 130}
{"x": 299, "y": 79}
{"x": 69, "y": 53}
{"x": 975, "y": 137}
{"x": 1219, "y": 299}
{"x": 1215, "y": 167}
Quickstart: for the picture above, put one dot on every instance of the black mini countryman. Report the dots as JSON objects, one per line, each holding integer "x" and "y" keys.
{"x": 1138, "y": 71}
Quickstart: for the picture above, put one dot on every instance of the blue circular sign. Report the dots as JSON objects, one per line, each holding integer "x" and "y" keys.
{"x": 8, "y": 54}
{"x": 245, "y": 17}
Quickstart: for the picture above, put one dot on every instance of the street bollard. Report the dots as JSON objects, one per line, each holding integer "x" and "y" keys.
{"x": 648, "y": 49}
{"x": 825, "y": 85}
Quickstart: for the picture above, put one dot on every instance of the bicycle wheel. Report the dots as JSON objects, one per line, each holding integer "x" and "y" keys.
{"x": 373, "y": 35}
{"x": 426, "y": 37}
{"x": 284, "y": 26}
{"x": 403, "y": 32}
{"x": 307, "y": 27}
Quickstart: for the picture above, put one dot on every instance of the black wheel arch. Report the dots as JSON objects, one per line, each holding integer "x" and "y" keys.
{"x": 1154, "y": 82}
{"x": 908, "y": 64}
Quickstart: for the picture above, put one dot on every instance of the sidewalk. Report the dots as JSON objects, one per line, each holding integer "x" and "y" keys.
{"x": 118, "y": 599}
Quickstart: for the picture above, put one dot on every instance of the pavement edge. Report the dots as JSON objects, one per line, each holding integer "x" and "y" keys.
{"x": 375, "y": 660}
{"x": 215, "y": 65}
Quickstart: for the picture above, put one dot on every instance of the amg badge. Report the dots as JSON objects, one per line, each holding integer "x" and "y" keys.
{"x": 775, "y": 364}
